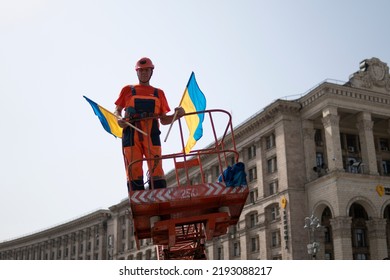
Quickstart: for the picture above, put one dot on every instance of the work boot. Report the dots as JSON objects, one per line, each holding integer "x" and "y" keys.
{"x": 137, "y": 185}
{"x": 160, "y": 184}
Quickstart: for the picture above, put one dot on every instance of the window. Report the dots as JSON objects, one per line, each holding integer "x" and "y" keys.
{"x": 353, "y": 165}
{"x": 275, "y": 239}
{"x": 270, "y": 141}
{"x": 328, "y": 236}
{"x": 271, "y": 165}
{"x": 236, "y": 249}
{"x": 384, "y": 144}
{"x": 350, "y": 142}
{"x": 318, "y": 137}
{"x": 273, "y": 187}
{"x": 320, "y": 160}
{"x": 252, "y": 220}
{"x": 254, "y": 244}
{"x": 219, "y": 253}
{"x": 253, "y": 196}
{"x": 274, "y": 212}
{"x": 359, "y": 238}
{"x": 252, "y": 152}
{"x": 386, "y": 167}
{"x": 361, "y": 257}
{"x": 252, "y": 174}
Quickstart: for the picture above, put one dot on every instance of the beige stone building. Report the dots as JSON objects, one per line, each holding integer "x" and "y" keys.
{"x": 322, "y": 160}
{"x": 80, "y": 239}
{"x": 325, "y": 155}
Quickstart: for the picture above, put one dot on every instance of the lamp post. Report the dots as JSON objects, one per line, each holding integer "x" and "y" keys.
{"x": 312, "y": 224}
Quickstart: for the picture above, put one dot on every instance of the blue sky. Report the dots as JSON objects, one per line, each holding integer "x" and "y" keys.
{"x": 57, "y": 163}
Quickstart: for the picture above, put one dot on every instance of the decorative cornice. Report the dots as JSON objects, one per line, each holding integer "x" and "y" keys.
{"x": 358, "y": 94}
{"x": 279, "y": 107}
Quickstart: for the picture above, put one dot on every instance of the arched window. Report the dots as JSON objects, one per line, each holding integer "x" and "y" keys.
{"x": 328, "y": 238}
{"x": 360, "y": 247}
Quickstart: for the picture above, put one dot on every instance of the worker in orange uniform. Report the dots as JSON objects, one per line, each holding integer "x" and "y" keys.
{"x": 143, "y": 105}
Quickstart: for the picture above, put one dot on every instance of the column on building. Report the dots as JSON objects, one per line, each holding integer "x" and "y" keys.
{"x": 41, "y": 253}
{"x": 377, "y": 238}
{"x": 85, "y": 243}
{"x": 309, "y": 149}
{"x": 366, "y": 136}
{"x": 116, "y": 233}
{"x": 93, "y": 242}
{"x": 259, "y": 167}
{"x": 263, "y": 244}
{"x": 281, "y": 155}
{"x": 66, "y": 247}
{"x": 62, "y": 247}
{"x": 53, "y": 249}
{"x": 128, "y": 234}
{"x": 77, "y": 244}
{"x": 243, "y": 245}
{"x": 330, "y": 120}
{"x": 342, "y": 239}
{"x": 101, "y": 242}
{"x": 210, "y": 250}
{"x": 58, "y": 248}
{"x": 226, "y": 248}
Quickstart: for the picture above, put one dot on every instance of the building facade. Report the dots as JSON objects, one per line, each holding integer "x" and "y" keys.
{"x": 325, "y": 155}
{"x": 81, "y": 239}
{"x": 318, "y": 169}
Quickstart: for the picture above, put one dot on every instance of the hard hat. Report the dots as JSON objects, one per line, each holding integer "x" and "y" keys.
{"x": 144, "y": 63}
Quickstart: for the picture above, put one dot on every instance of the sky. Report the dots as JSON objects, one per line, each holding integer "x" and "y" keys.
{"x": 56, "y": 161}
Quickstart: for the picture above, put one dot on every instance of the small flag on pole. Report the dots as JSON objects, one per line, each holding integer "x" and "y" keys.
{"x": 193, "y": 100}
{"x": 108, "y": 120}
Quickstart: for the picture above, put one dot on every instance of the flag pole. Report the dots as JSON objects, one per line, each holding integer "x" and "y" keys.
{"x": 170, "y": 126}
{"x": 174, "y": 116}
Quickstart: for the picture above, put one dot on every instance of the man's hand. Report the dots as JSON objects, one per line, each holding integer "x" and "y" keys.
{"x": 179, "y": 112}
{"x": 122, "y": 123}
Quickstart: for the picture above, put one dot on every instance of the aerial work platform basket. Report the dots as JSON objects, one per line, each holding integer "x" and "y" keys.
{"x": 181, "y": 218}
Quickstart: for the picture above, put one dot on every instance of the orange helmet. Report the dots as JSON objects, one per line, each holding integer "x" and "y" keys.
{"x": 144, "y": 63}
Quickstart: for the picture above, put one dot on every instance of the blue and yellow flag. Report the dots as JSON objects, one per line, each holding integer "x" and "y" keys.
{"x": 193, "y": 100}
{"x": 108, "y": 119}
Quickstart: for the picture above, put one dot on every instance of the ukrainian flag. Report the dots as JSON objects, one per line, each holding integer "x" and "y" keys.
{"x": 193, "y": 100}
{"x": 108, "y": 119}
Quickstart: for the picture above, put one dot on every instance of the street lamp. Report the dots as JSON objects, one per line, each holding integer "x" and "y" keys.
{"x": 312, "y": 224}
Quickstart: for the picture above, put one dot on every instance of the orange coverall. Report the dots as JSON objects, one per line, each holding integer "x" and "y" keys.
{"x": 141, "y": 103}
